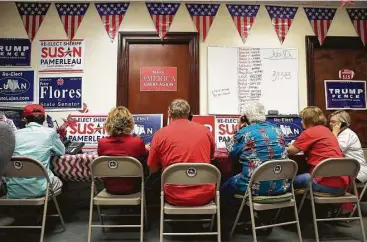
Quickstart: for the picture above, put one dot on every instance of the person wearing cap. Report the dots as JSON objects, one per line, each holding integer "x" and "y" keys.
{"x": 39, "y": 143}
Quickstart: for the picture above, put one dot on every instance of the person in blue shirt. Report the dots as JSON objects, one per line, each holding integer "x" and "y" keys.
{"x": 255, "y": 142}
{"x": 39, "y": 143}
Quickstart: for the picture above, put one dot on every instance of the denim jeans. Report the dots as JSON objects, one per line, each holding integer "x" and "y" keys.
{"x": 301, "y": 181}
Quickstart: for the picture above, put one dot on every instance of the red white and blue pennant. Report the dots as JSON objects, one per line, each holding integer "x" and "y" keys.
{"x": 112, "y": 15}
{"x": 359, "y": 20}
{"x": 162, "y": 15}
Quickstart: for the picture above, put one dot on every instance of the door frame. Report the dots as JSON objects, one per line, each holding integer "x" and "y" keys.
{"x": 331, "y": 42}
{"x": 127, "y": 38}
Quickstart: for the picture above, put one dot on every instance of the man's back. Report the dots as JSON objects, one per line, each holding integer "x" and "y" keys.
{"x": 36, "y": 142}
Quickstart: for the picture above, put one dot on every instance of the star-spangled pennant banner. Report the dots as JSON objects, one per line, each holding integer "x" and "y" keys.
{"x": 112, "y": 15}
{"x": 32, "y": 15}
{"x": 359, "y": 19}
{"x": 243, "y": 17}
{"x": 162, "y": 15}
{"x": 71, "y": 15}
{"x": 281, "y": 18}
{"x": 203, "y": 16}
{"x": 320, "y": 20}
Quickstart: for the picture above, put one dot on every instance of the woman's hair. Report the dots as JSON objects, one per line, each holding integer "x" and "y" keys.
{"x": 312, "y": 116}
{"x": 254, "y": 112}
{"x": 179, "y": 108}
{"x": 119, "y": 122}
{"x": 342, "y": 116}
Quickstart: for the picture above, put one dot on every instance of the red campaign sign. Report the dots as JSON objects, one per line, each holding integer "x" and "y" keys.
{"x": 346, "y": 74}
{"x": 158, "y": 79}
{"x": 207, "y": 121}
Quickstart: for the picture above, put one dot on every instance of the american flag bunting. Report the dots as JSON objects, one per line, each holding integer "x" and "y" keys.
{"x": 359, "y": 19}
{"x": 32, "y": 15}
{"x": 203, "y": 16}
{"x": 320, "y": 20}
{"x": 281, "y": 18}
{"x": 71, "y": 15}
{"x": 243, "y": 17}
{"x": 162, "y": 15}
{"x": 112, "y": 15}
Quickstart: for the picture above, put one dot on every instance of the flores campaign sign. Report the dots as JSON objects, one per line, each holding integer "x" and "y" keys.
{"x": 225, "y": 127}
{"x": 291, "y": 126}
{"x": 16, "y": 86}
{"x": 15, "y": 52}
{"x": 345, "y": 95}
{"x": 146, "y": 125}
{"x": 158, "y": 79}
{"x": 61, "y": 56}
{"x": 206, "y": 120}
{"x": 60, "y": 93}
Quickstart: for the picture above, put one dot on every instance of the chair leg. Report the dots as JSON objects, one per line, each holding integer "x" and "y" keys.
{"x": 146, "y": 215}
{"x": 218, "y": 219}
{"x": 360, "y": 196}
{"x": 212, "y": 223}
{"x": 90, "y": 216}
{"x": 298, "y": 227}
{"x": 100, "y": 217}
{"x": 44, "y": 216}
{"x": 237, "y": 217}
{"x": 253, "y": 224}
{"x": 314, "y": 220}
{"x": 361, "y": 221}
{"x": 142, "y": 221}
{"x": 161, "y": 229}
{"x": 59, "y": 212}
{"x": 302, "y": 201}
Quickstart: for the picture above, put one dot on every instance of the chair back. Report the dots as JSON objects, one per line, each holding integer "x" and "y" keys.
{"x": 191, "y": 174}
{"x": 116, "y": 166}
{"x": 336, "y": 167}
{"x": 20, "y": 166}
{"x": 365, "y": 154}
{"x": 275, "y": 170}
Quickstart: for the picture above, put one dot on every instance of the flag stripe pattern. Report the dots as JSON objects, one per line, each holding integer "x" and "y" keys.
{"x": 162, "y": 15}
{"x": 71, "y": 15}
{"x": 32, "y": 15}
{"x": 359, "y": 19}
{"x": 243, "y": 17}
{"x": 281, "y": 18}
{"x": 203, "y": 16}
{"x": 320, "y": 20}
{"x": 112, "y": 15}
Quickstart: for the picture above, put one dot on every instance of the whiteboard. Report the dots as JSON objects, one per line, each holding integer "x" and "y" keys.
{"x": 237, "y": 76}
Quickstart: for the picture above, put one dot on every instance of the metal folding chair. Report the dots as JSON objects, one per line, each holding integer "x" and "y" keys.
{"x": 116, "y": 166}
{"x": 334, "y": 167}
{"x": 191, "y": 174}
{"x": 29, "y": 168}
{"x": 269, "y": 171}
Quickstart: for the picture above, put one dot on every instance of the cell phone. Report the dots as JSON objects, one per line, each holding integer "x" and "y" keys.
{"x": 244, "y": 120}
{"x": 190, "y": 116}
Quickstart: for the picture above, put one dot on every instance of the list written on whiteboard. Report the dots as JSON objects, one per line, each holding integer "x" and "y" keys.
{"x": 250, "y": 70}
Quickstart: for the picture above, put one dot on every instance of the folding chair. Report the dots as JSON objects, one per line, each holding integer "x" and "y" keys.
{"x": 116, "y": 166}
{"x": 191, "y": 174}
{"x": 29, "y": 168}
{"x": 329, "y": 168}
{"x": 269, "y": 171}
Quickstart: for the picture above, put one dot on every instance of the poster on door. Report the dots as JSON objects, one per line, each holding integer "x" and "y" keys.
{"x": 225, "y": 128}
{"x": 158, "y": 79}
{"x": 345, "y": 95}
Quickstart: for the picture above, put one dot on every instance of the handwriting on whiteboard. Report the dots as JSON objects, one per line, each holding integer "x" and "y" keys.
{"x": 280, "y": 54}
{"x": 221, "y": 92}
{"x": 281, "y": 75}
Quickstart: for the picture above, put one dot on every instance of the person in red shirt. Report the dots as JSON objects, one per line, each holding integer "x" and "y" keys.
{"x": 182, "y": 141}
{"x": 318, "y": 143}
{"x": 119, "y": 125}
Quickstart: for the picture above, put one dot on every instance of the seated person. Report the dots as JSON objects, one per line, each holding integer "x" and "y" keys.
{"x": 182, "y": 141}
{"x": 348, "y": 141}
{"x": 39, "y": 143}
{"x": 8, "y": 121}
{"x": 318, "y": 143}
{"x": 119, "y": 125}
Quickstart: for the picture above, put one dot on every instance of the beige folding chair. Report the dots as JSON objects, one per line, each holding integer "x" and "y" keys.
{"x": 270, "y": 171}
{"x": 191, "y": 174}
{"x": 329, "y": 168}
{"x": 29, "y": 168}
{"x": 116, "y": 166}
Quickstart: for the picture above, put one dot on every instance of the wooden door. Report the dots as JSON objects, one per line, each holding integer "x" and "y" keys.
{"x": 178, "y": 50}
{"x": 324, "y": 63}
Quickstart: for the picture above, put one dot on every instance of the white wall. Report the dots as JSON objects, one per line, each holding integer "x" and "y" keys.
{"x": 100, "y": 70}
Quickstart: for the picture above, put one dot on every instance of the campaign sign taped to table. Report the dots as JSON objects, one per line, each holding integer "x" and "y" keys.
{"x": 15, "y": 52}
{"x": 291, "y": 126}
{"x": 16, "y": 86}
{"x": 206, "y": 120}
{"x": 61, "y": 56}
{"x": 345, "y": 95}
{"x": 146, "y": 125}
{"x": 225, "y": 127}
{"x": 60, "y": 93}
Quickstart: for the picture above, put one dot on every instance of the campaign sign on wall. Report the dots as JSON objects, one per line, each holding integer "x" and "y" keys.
{"x": 16, "y": 86}
{"x": 15, "y": 52}
{"x": 291, "y": 126}
{"x": 60, "y": 93}
{"x": 345, "y": 94}
{"x": 225, "y": 127}
{"x": 146, "y": 125}
{"x": 206, "y": 120}
{"x": 61, "y": 56}
{"x": 158, "y": 79}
